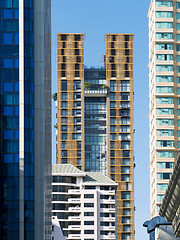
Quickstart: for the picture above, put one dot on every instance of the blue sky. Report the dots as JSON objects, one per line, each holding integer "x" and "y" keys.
{"x": 95, "y": 18}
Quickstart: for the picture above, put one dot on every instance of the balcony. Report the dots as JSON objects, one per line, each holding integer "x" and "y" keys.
{"x": 108, "y": 228}
{"x": 107, "y": 201}
{"x": 74, "y": 200}
{"x": 109, "y": 236}
{"x": 74, "y": 236}
{"x": 95, "y": 90}
{"x": 77, "y": 192}
{"x": 74, "y": 218}
{"x": 107, "y": 219}
{"x": 74, "y": 209}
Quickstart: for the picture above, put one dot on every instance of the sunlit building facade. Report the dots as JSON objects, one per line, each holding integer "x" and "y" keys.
{"x": 95, "y": 116}
{"x": 164, "y": 98}
{"x": 25, "y": 118}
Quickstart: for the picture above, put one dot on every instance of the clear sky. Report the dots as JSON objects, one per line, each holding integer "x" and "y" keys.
{"x": 95, "y": 18}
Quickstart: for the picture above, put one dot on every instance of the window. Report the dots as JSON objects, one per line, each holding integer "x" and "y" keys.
{"x": 64, "y": 128}
{"x": 165, "y": 132}
{"x": 89, "y": 205}
{"x": 165, "y": 143}
{"x": 164, "y": 100}
{"x": 125, "y": 120}
{"x": 125, "y": 128}
{"x": 88, "y": 214}
{"x": 164, "y": 78}
{"x": 112, "y": 85}
{"x": 126, "y": 212}
{"x": 178, "y": 5}
{"x": 164, "y": 3}
{"x": 64, "y": 104}
{"x": 88, "y": 195}
{"x": 77, "y": 128}
{"x": 64, "y": 96}
{"x": 63, "y": 112}
{"x": 125, "y": 195}
{"x": 177, "y": 26}
{"x": 63, "y": 145}
{"x": 64, "y": 136}
{"x": 112, "y": 96}
{"x": 112, "y": 120}
{"x": 64, "y": 153}
{"x": 76, "y": 136}
{"x": 164, "y": 36}
{"x": 164, "y": 57}
{"x": 88, "y": 231}
{"x": 77, "y": 96}
{"x": 165, "y": 164}
{"x": 164, "y": 89}
{"x": 164, "y": 14}
{"x": 165, "y": 154}
{"x": 88, "y": 222}
{"x": 165, "y": 111}
{"x": 112, "y": 104}
{"x": 126, "y": 220}
{"x": 76, "y": 104}
{"x": 125, "y": 177}
{"x": 76, "y": 112}
{"x": 76, "y": 85}
{"x": 160, "y": 197}
{"x": 126, "y": 161}
{"x": 125, "y": 96}
{"x": 164, "y": 46}
{"x": 63, "y": 85}
{"x": 126, "y": 153}
{"x": 125, "y": 169}
{"x": 165, "y": 121}
{"x": 164, "y": 25}
{"x": 112, "y": 128}
{"x": 125, "y": 86}
{"x": 77, "y": 120}
{"x": 164, "y": 68}
{"x": 162, "y": 186}
{"x": 125, "y": 145}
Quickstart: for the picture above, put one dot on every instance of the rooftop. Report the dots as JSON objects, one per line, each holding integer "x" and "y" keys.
{"x": 97, "y": 177}
{"x": 67, "y": 169}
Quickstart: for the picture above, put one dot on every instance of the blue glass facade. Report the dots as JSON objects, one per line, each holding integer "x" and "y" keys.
{"x": 9, "y": 156}
{"x": 9, "y": 110}
{"x": 95, "y": 122}
{"x": 28, "y": 131}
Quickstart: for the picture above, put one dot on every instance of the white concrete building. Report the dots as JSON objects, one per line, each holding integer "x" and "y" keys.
{"x": 84, "y": 203}
{"x": 164, "y": 95}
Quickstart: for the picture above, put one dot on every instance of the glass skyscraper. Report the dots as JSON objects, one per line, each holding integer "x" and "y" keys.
{"x": 95, "y": 117}
{"x": 25, "y": 108}
{"x": 164, "y": 95}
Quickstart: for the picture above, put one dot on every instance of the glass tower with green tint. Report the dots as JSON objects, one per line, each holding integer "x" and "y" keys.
{"x": 164, "y": 95}
{"x": 25, "y": 118}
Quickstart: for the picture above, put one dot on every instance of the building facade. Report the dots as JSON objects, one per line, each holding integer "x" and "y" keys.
{"x": 25, "y": 117}
{"x": 170, "y": 207}
{"x": 95, "y": 116}
{"x": 164, "y": 90}
{"x": 84, "y": 203}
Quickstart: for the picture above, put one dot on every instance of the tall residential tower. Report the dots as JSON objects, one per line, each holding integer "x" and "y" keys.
{"x": 164, "y": 98}
{"x": 95, "y": 116}
{"x": 25, "y": 118}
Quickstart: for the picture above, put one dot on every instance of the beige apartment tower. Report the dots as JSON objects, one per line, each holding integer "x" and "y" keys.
{"x": 164, "y": 98}
{"x": 95, "y": 117}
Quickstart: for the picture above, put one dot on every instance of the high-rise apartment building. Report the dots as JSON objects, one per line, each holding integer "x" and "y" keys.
{"x": 95, "y": 116}
{"x": 84, "y": 203}
{"x": 164, "y": 98}
{"x": 25, "y": 118}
